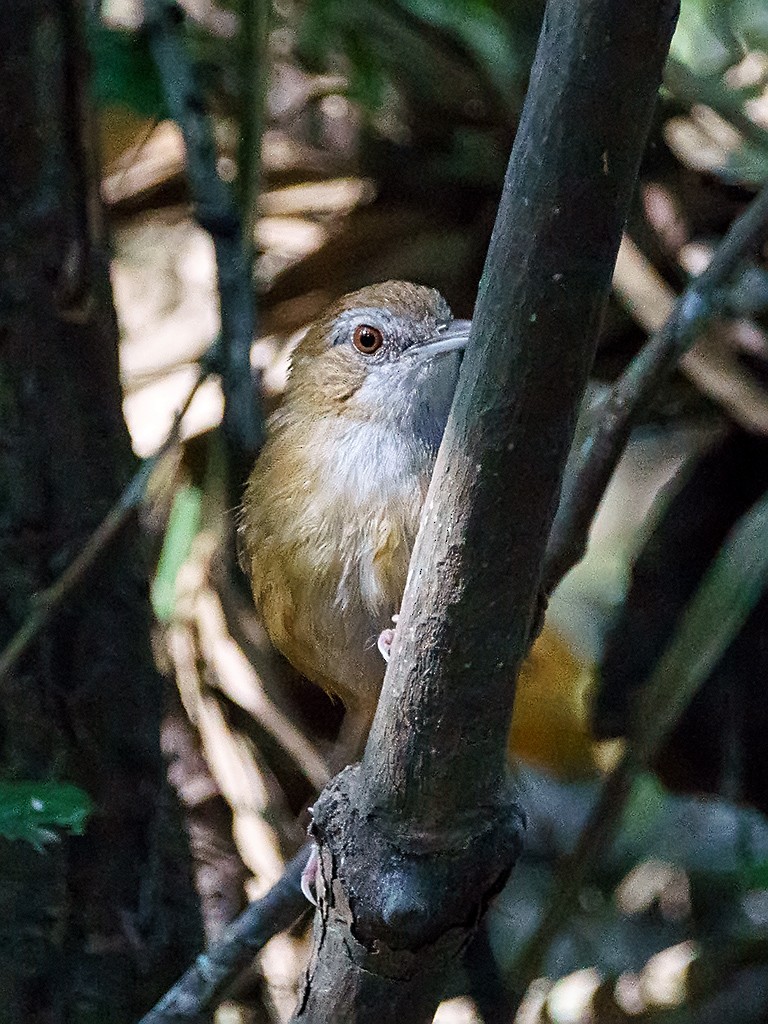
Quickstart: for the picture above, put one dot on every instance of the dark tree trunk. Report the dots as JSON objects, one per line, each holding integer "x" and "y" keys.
{"x": 94, "y": 927}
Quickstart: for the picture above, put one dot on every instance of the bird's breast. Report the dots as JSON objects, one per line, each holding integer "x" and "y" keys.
{"x": 330, "y": 519}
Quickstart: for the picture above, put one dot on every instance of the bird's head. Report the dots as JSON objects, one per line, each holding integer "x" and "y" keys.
{"x": 387, "y": 354}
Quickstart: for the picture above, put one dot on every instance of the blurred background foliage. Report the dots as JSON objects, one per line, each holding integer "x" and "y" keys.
{"x": 368, "y": 141}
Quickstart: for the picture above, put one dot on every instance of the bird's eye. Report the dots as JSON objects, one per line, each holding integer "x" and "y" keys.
{"x": 367, "y": 339}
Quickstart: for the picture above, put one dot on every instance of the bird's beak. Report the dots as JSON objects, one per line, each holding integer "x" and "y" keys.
{"x": 450, "y": 337}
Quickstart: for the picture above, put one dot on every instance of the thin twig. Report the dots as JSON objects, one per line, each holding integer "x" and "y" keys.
{"x": 254, "y": 26}
{"x": 49, "y": 602}
{"x": 216, "y": 211}
{"x": 591, "y": 467}
{"x": 200, "y": 990}
{"x": 712, "y": 363}
{"x": 594, "y": 838}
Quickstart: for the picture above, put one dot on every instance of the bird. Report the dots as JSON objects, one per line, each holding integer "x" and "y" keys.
{"x": 333, "y": 503}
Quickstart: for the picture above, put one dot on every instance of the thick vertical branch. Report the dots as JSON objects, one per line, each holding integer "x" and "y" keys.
{"x": 417, "y": 839}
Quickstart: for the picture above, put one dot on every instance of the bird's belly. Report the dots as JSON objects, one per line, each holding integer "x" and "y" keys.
{"x": 339, "y": 653}
{"x": 324, "y": 606}
{"x": 329, "y": 558}
{"x": 332, "y": 639}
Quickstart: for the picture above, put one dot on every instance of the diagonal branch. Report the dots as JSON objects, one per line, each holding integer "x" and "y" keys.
{"x": 198, "y": 992}
{"x": 591, "y": 467}
{"x": 713, "y": 362}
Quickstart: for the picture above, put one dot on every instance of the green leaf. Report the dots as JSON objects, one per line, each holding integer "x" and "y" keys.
{"x": 183, "y": 525}
{"x": 422, "y": 50}
{"x": 31, "y": 810}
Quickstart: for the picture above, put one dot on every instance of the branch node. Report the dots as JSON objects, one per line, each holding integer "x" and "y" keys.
{"x": 402, "y": 888}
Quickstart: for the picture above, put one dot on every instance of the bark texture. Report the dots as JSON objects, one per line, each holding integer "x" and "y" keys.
{"x": 94, "y": 927}
{"x": 416, "y": 840}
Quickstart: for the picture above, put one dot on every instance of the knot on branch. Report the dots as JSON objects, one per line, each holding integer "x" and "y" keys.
{"x": 398, "y": 888}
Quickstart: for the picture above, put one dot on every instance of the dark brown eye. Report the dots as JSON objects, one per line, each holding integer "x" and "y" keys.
{"x": 367, "y": 339}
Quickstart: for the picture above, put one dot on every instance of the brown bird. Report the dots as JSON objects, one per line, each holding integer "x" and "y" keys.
{"x": 333, "y": 504}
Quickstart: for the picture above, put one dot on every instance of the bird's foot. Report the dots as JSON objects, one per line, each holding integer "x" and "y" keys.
{"x": 386, "y": 639}
{"x": 309, "y": 876}
{"x": 384, "y": 643}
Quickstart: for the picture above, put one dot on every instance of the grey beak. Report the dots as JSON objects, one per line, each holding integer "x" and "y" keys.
{"x": 448, "y": 337}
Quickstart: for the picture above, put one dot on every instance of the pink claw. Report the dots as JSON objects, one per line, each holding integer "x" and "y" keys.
{"x": 385, "y": 641}
{"x": 309, "y": 876}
